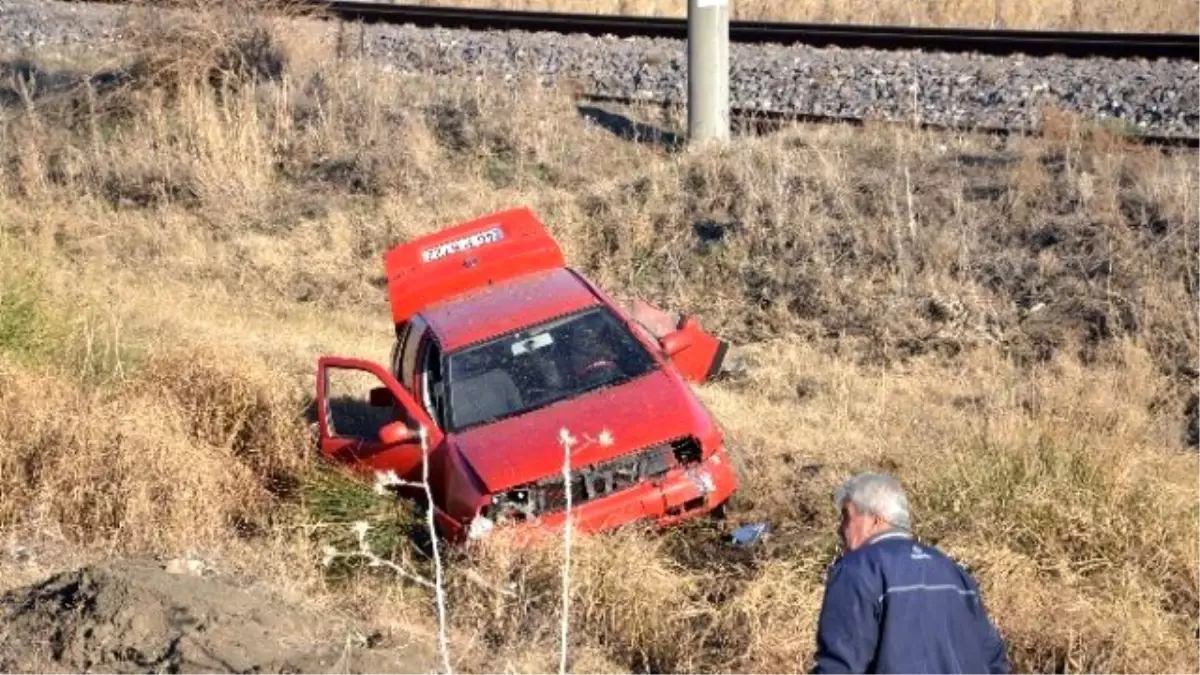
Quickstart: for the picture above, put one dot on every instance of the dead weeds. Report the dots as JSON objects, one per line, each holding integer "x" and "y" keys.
{"x": 1010, "y": 330}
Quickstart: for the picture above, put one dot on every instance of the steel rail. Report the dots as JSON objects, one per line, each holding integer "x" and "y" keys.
{"x": 996, "y": 42}
{"x": 1073, "y": 44}
{"x": 760, "y": 121}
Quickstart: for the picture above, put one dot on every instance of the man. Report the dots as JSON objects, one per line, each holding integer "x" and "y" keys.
{"x": 893, "y": 604}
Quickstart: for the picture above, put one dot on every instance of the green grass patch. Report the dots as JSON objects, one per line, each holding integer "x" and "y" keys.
{"x": 30, "y": 329}
{"x": 334, "y": 500}
{"x": 38, "y": 329}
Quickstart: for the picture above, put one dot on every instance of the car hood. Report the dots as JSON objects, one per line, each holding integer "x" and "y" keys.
{"x": 651, "y": 409}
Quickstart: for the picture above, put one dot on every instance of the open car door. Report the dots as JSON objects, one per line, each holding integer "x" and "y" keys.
{"x": 696, "y": 354}
{"x": 379, "y": 432}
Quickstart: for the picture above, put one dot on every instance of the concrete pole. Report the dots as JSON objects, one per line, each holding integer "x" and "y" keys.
{"x": 708, "y": 70}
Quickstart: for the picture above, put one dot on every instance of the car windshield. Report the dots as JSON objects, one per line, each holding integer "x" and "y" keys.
{"x": 541, "y": 365}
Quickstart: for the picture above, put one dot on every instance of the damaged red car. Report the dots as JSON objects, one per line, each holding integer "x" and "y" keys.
{"x": 501, "y": 348}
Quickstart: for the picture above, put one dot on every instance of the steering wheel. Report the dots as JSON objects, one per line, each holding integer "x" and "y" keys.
{"x": 598, "y": 365}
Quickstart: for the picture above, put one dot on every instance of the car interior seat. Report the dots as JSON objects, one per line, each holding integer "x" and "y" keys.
{"x": 490, "y": 394}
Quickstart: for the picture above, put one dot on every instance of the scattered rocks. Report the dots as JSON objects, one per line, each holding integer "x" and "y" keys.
{"x": 1151, "y": 96}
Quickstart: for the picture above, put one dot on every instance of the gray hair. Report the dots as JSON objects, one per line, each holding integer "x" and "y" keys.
{"x": 877, "y": 494}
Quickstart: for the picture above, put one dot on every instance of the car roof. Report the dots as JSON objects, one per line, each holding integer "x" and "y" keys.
{"x": 508, "y": 306}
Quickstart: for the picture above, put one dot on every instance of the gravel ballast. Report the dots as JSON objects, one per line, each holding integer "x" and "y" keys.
{"x": 1159, "y": 97}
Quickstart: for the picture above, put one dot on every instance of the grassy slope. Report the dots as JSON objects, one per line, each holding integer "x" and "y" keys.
{"x": 1099, "y": 15}
{"x": 1011, "y": 332}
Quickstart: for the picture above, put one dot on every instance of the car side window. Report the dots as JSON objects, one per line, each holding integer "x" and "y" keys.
{"x": 402, "y": 332}
{"x": 432, "y": 389}
{"x": 409, "y": 353}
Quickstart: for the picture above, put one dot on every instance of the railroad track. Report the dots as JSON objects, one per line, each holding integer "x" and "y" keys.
{"x": 980, "y": 41}
{"x": 1072, "y": 44}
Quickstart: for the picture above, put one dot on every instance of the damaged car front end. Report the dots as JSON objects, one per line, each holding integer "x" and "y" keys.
{"x": 664, "y": 483}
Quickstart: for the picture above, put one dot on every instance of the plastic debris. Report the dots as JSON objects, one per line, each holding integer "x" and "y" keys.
{"x": 748, "y": 535}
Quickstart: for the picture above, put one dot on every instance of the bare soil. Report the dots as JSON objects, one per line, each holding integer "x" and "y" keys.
{"x": 134, "y": 616}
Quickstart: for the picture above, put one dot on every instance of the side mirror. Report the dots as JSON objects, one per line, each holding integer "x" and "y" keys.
{"x": 382, "y": 397}
{"x": 397, "y": 432}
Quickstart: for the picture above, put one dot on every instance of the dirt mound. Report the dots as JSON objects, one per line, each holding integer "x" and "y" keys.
{"x": 139, "y": 617}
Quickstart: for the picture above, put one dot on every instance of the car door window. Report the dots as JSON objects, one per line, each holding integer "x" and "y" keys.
{"x": 432, "y": 388}
{"x": 409, "y": 353}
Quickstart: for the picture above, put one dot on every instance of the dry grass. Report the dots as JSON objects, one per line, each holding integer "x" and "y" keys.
{"x": 1178, "y": 16}
{"x": 1012, "y": 331}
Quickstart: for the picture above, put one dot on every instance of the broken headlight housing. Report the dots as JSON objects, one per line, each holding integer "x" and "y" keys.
{"x": 512, "y": 506}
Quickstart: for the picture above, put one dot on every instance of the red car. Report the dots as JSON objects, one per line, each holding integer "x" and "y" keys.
{"x": 500, "y": 350}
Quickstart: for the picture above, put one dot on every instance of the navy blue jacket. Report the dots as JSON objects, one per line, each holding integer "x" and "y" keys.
{"x": 895, "y": 605}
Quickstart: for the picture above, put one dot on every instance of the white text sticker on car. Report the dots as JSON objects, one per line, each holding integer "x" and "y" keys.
{"x": 535, "y": 342}
{"x": 464, "y": 244}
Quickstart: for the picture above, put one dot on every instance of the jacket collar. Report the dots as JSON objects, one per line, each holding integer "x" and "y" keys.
{"x": 890, "y": 533}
